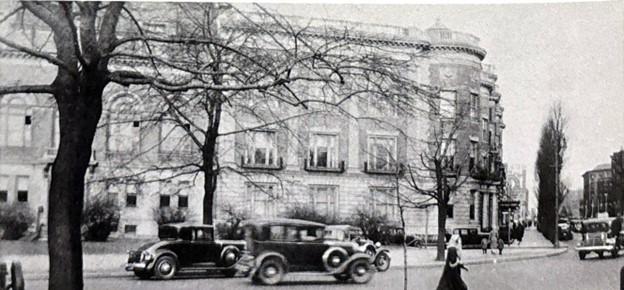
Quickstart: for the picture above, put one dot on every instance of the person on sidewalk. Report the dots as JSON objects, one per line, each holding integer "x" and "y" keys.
{"x": 451, "y": 275}
{"x": 456, "y": 242}
{"x": 520, "y": 234}
{"x": 501, "y": 245}
{"x": 493, "y": 241}
{"x": 484, "y": 245}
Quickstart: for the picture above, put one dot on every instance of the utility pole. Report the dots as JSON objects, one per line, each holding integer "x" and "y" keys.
{"x": 557, "y": 192}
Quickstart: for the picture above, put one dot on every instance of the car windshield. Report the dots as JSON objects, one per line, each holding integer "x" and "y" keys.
{"x": 596, "y": 227}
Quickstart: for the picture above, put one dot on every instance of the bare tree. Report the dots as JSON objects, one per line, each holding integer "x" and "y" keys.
{"x": 440, "y": 170}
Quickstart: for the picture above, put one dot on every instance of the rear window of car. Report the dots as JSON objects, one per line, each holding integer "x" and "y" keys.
{"x": 283, "y": 233}
{"x": 596, "y": 227}
{"x": 167, "y": 233}
{"x": 311, "y": 234}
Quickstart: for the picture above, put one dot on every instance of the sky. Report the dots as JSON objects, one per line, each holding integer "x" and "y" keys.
{"x": 573, "y": 52}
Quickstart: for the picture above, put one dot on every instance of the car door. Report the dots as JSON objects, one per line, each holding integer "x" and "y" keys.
{"x": 203, "y": 247}
{"x": 311, "y": 248}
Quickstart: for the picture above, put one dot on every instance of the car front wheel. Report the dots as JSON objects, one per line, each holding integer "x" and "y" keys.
{"x": 270, "y": 272}
{"x": 165, "y": 267}
{"x": 600, "y": 255}
{"x": 382, "y": 262}
{"x": 360, "y": 271}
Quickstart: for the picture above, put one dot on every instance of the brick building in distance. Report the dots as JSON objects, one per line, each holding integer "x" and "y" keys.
{"x": 335, "y": 165}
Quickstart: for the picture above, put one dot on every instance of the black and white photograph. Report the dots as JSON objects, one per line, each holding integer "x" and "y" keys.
{"x": 311, "y": 145}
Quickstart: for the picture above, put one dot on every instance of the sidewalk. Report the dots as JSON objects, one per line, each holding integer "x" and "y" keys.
{"x": 112, "y": 265}
{"x": 533, "y": 245}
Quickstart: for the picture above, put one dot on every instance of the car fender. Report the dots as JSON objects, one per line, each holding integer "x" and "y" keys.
{"x": 267, "y": 255}
{"x": 379, "y": 251}
{"x": 326, "y": 254}
{"x": 357, "y": 256}
{"x": 164, "y": 252}
{"x": 227, "y": 248}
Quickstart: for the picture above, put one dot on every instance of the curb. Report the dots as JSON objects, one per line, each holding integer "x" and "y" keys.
{"x": 117, "y": 274}
{"x": 556, "y": 252}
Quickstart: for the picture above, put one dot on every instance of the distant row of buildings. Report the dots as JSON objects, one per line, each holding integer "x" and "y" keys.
{"x": 337, "y": 165}
{"x": 603, "y": 188}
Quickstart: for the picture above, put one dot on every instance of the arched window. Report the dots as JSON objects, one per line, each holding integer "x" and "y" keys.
{"x": 15, "y": 122}
{"x": 124, "y": 124}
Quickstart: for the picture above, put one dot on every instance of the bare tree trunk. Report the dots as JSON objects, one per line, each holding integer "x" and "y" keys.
{"x": 80, "y": 110}
{"x": 211, "y": 172}
{"x": 441, "y": 231}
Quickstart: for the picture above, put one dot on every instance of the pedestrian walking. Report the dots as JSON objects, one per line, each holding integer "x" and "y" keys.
{"x": 520, "y": 234}
{"x": 484, "y": 245}
{"x": 501, "y": 245}
{"x": 493, "y": 241}
{"x": 451, "y": 275}
{"x": 456, "y": 242}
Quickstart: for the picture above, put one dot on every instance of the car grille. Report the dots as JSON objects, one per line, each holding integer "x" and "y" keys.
{"x": 134, "y": 256}
{"x": 594, "y": 240}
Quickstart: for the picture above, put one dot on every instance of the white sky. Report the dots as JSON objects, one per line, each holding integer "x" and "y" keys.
{"x": 542, "y": 52}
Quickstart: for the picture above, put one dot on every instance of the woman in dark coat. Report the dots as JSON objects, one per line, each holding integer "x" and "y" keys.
{"x": 451, "y": 276}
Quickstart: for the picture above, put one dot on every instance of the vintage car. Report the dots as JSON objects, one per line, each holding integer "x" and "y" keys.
{"x": 596, "y": 237}
{"x": 470, "y": 237}
{"x": 565, "y": 230}
{"x": 381, "y": 256}
{"x": 184, "y": 247}
{"x": 278, "y": 246}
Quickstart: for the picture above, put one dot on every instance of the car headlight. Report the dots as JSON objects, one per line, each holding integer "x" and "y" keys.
{"x": 378, "y": 245}
{"x": 145, "y": 256}
{"x": 611, "y": 241}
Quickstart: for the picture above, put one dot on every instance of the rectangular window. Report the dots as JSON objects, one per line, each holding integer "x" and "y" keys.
{"x": 4, "y": 188}
{"x": 130, "y": 229}
{"x": 324, "y": 199}
{"x": 472, "y": 204}
{"x": 382, "y": 153}
{"x": 261, "y": 148}
{"x": 22, "y": 188}
{"x": 122, "y": 135}
{"x": 323, "y": 151}
{"x": 383, "y": 201}
{"x": 263, "y": 199}
{"x": 474, "y": 106}
{"x": 449, "y": 211}
{"x": 182, "y": 201}
{"x": 448, "y": 103}
{"x": 165, "y": 200}
{"x": 131, "y": 200}
{"x": 474, "y": 153}
{"x": 27, "y": 120}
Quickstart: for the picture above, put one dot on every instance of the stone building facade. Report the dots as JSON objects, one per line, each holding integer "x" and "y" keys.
{"x": 597, "y": 188}
{"x": 330, "y": 163}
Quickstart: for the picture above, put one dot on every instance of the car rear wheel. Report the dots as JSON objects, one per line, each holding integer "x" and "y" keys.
{"x": 582, "y": 255}
{"x": 165, "y": 267}
{"x": 601, "y": 255}
{"x": 360, "y": 271}
{"x": 271, "y": 271}
{"x": 382, "y": 262}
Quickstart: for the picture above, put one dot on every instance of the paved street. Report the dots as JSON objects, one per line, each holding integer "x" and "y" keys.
{"x": 560, "y": 272}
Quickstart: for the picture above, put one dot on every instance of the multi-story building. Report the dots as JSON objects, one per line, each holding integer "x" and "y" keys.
{"x": 617, "y": 172}
{"x": 597, "y": 188}
{"x": 516, "y": 190}
{"x": 334, "y": 164}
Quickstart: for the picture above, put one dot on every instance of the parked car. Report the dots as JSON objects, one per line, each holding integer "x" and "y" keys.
{"x": 565, "y": 230}
{"x": 596, "y": 238}
{"x": 470, "y": 236}
{"x": 381, "y": 256}
{"x": 278, "y": 246}
{"x": 184, "y": 247}
{"x": 576, "y": 225}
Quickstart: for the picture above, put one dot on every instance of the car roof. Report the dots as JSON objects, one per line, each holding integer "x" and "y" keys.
{"x": 186, "y": 225}
{"x": 598, "y": 220}
{"x": 283, "y": 222}
{"x": 341, "y": 227}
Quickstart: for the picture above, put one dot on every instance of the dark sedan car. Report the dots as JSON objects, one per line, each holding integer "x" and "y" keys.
{"x": 184, "y": 247}
{"x": 278, "y": 246}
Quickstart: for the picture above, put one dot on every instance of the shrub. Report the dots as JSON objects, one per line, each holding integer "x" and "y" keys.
{"x": 100, "y": 217}
{"x": 15, "y": 219}
{"x": 170, "y": 215}
{"x": 304, "y": 212}
{"x": 370, "y": 222}
{"x": 230, "y": 229}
